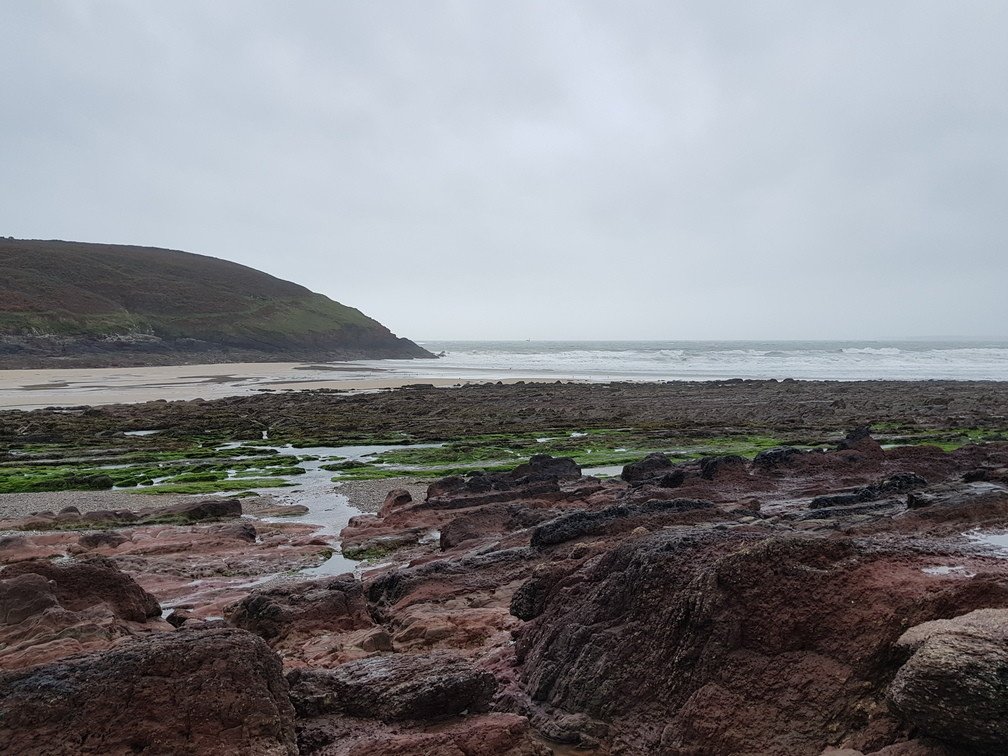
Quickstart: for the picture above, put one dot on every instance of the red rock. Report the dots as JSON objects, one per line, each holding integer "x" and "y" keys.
{"x": 49, "y": 612}
{"x": 396, "y": 499}
{"x": 290, "y": 614}
{"x": 81, "y": 584}
{"x": 737, "y": 644}
{"x": 208, "y": 691}
{"x": 394, "y": 687}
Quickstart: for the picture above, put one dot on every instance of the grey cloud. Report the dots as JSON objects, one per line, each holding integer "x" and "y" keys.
{"x": 522, "y": 169}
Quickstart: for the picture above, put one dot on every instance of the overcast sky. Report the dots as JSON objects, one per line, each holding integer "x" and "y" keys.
{"x": 641, "y": 170}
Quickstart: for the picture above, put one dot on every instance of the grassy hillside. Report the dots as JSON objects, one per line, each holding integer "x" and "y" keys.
{"x": 93, "y": 304}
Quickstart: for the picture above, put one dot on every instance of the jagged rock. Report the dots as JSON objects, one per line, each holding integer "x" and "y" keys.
{"x": 860, "y": 440}
{"x": 543, "y": 467}
{"x": 638, "y": 472}
{"x": 396, "y": 499}
{"x": 101, "y": 538}
{"x": 493, "y": 734}
{"x": 491, "y": 519}
{"x": 196, "y": 511}
{"x": 954, "y": 494}
{"x": 710, "y": 467}
{"x": 178, "y": 617}
{"x": 241, "y": 531}
{"x": 738, "y": 643}
{"x": 360, "y": 547}
{"x": 580, "y": 523}
{"x": 394, "y": 687}
{"x": 303, "y": 608}
{"x": 443, "y": 486}
{"x": 955, "y": 685}
{"x": 777, "y": 456}
{"x": 856, "y": 508}
{"x": 208, "y": 691}
{"x": 25, "y": 595}
{"x": 81, "y": 584}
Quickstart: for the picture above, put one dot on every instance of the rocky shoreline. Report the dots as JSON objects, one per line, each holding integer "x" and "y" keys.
{"x": 841, "y": 597}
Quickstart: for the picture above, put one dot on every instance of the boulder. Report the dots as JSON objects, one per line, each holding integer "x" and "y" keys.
{"x": 197, "y": 511}
{"x": 955, "y": 685}
{"x": 860, "y": 440}
{"x": 544, "y": 467}
{"x": 492, "y": 519}
{"x": 81, "y": 584}
{"x": 304, "y": 608}
{"x": 734, "y": 641}
{"x": 206, "y": 691}
{"x": 394, "y": 687}
{"x": 647, "y": 468}
{"x": 711, "y": 467}
{"x": 780, "y": 455}
{"x": 239, "y": 531}
{"x": 396, "y": 499}
{"x": 581, "y": 523}
{"x": 22, "y": 596}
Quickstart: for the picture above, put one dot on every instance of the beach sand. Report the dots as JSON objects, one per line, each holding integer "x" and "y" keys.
{"x": 34, "y": 389}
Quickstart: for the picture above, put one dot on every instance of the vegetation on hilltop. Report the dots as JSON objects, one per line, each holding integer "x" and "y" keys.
{"x": 70, "y": 303}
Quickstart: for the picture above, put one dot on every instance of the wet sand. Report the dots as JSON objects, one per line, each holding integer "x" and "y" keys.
{"x": 35, "y": 389}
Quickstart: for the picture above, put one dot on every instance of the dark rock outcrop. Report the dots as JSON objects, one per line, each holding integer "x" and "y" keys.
{"x": 394, "y": 687}
{"x": 581, "y": 523}
{"x": 638, "y": 472}
{"x": 301, "y": 609}
{"x": 197, "y": 511}
{"x": 206, "y": 691}
{"x": 738, "y": 642}
{"x": 955, "y": 685}
{"x": 491, "y": 519}
{"x": 780, "y": 455}
{"x": 78, "y": 585}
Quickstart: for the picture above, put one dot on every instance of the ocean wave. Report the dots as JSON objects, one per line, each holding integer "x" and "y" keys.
{"x": 717, "y": 360}
{"x": 872, "y": 350}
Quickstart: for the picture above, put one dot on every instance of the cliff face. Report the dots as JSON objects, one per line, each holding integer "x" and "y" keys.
{"x": 96, "y": 305}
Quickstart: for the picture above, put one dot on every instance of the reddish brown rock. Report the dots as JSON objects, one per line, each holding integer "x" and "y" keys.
{"x": 396, "y": 499}
{"x": 738, "y": 642}
{"x": 294, "y": 616}
{"x": 472, "y": 735}
{"x": 81, "y": 584}
{"x": 48, "y": 612}
{"x": 393, "y": 687}
{"x": 208, "y": 691}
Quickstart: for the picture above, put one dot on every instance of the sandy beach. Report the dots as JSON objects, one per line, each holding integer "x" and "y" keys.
{"x": 35, "y": 389}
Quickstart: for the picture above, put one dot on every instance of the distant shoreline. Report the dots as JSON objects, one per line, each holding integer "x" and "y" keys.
{"x": 71, "y": 387}
{"x": 28, "y": 389}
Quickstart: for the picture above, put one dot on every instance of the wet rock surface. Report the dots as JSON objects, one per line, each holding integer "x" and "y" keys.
{"x": 394, "y": 687}
{"x": 834, "y": 598}
{"x": 955, "y": 685}
{"x": 50, "y": 611}
{"x": 209, "y": 691}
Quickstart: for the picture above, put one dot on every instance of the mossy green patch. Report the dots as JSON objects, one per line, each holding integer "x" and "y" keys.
{"x": 216, "y": 486}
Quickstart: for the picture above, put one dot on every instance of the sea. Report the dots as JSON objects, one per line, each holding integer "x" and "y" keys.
{"x": 709, "y": 360}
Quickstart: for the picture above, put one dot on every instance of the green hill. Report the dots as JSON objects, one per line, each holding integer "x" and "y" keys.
{"x": 66, "y": 304}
